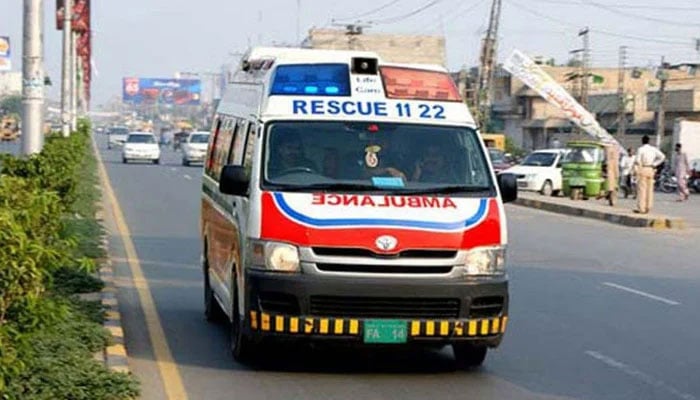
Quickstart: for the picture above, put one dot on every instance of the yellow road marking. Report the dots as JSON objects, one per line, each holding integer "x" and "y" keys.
{"x": 169, "y": 373}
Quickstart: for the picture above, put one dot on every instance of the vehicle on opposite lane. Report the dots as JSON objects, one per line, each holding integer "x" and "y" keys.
{"x": 116, "y": 136}
{"x": 540, "y": 172}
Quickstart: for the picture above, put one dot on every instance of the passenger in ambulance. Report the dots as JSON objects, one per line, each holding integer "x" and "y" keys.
{"x": 287, "y": 155}
{"x": 434, "y": 166}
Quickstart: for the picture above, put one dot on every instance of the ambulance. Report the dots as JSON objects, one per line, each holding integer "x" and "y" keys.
{"x": 350, "y": 200}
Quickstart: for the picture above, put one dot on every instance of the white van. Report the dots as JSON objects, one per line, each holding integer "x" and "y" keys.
{"x": 348, "y": 199}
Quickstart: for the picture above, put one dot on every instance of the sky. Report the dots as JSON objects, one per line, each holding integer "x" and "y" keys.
{"x": 157, "y": 38}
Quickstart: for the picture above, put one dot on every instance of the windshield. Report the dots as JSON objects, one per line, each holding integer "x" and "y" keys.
{"x": 199, "y": 138}
{"x": 119, "y": 131}
{"x": 374, "y": 157}
{"x": 497, "y": 156}
{"x": 584, "y": 155}
{"x": 540, "y": 159}
{"x": 141, "y": 139}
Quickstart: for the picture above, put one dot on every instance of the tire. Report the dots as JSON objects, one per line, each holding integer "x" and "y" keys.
{"x": 547, "y": 188}
{"x": 469, "y": 356}
{"x": 156, "y": 161}
{"x": 556, "y": 193}
{"x": 185, "y": 163}
{"x": 243, "y": 348}
{"x": 666, "y": 186}
{"x": 124, "y": 161}
{"x": 212, "y": 308}
{"x": 576, "y": 194}
{"x": 612, "y": 197}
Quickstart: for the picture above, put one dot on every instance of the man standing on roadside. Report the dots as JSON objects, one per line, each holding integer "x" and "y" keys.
{"x": 681, "y": 168}
{"x": 648, "y": 158}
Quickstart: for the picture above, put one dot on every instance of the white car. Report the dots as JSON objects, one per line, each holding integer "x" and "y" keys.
{"x": 540, "y": 171}
{"x": 194, "y": 149}
{"x": 141, "y": 146}
{"x": 116, "y": 136}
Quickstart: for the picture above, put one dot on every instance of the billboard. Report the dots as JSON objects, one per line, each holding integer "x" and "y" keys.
{"x": 5, "y": 62}
{"x": 180, "y": 92}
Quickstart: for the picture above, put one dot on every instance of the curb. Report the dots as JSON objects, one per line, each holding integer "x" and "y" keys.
{"x": 636, "y": 221}
{"x": 114, "y": 356}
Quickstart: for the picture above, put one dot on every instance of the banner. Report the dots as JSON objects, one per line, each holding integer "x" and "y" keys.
{"x": 81, "y": 15}
{"x": 181, "y": 92}
{"x": 5, "y": 61}
{"x": 525, "y": 69}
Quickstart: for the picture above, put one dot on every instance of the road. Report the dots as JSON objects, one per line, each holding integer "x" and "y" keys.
{"x": 597, "y": 312}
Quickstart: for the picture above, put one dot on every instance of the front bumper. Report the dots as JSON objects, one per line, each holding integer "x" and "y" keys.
{"x": 141, "y": 156}
{"x": 524, "y": 184}
{"x": 290, "y": 306}
{"x": 195, "y": 157}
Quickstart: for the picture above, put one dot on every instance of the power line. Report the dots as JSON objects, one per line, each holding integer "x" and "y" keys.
{"x": 637, "y": 16}
{"x": 372, "y": 11}
{"x": 626, "y": 6}
{"x": 454, "y": 15}
{"x": 400, "y": 18}
{"x": 598, "y": 31}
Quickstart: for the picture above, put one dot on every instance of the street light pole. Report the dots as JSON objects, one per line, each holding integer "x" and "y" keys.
{"x": 661, "y": 111}
{"x": 66, "y": 70}
{"x": 75, "y": 84}
{"x": 32, "y": 78}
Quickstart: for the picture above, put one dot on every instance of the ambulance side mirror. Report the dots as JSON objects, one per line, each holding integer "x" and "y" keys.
{"x": 234, "y": 180}
{"x": 508, "y": 184}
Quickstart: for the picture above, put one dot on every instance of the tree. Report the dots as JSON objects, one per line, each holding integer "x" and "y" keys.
{"x": 11, "y": 105}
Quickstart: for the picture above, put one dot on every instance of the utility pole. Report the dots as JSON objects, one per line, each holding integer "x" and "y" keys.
{"x": 586, "y": 57}
{"x": 32, "y": 78}
{"x": 67, "y": 69}
{"x": 621, "y": 97}
{"x": 488, "y": 65}
{"x": 661, "y": 111}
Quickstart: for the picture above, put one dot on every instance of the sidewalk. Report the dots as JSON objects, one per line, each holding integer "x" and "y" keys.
{"x": 666, "y": 213}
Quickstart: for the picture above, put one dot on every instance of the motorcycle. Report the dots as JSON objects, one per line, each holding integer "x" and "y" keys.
{"x": 666, "y": 181}
{"x": 694, "y": 180}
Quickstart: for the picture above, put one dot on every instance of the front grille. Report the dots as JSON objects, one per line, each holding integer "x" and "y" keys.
{"x": 482, "y": 307}
{"x": 520, "y": 176}
{"x": 384, "y": 307}
{"x": 359, "y": 252}
{"x": 385, "y": 269}
{"x": 279, "y": 303}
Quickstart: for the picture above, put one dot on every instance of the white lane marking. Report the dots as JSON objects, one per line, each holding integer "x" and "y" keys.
{"x": 639, "y": 292}
{"x": 173, "y": 169}
{"x": 635, "y": 373}
{"x": 188, "y": 177}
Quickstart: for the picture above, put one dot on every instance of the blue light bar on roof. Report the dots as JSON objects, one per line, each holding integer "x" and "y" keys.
{"x": 311, "y": 80}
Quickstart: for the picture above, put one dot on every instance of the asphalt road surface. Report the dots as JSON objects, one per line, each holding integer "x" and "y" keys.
{"x": 597, "y": 312}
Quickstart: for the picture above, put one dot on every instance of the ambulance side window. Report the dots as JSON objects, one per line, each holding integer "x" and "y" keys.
{"x": 249, "y": 147}
{"x": 211, "y": 157}
{"x": 220, "y": 148}
{"x": 238, "y": 145}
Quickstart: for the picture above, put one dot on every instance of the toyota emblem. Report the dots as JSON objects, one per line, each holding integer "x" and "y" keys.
{"x": 386, "y": 243}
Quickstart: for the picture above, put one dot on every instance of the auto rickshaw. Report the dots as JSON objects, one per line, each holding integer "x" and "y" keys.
{"x": 590, "y": 170}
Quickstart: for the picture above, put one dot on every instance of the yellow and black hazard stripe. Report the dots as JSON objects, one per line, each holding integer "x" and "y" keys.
{"x": 275, "y": 323}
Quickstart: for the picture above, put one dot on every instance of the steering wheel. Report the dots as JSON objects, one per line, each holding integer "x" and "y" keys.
{"x": 297, "y": 170}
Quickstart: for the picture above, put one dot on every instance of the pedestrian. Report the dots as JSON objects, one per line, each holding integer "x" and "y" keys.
{"x": 647, "y": 159}
{"x": 682, "y": 169}
{"x": 626, "y": 169}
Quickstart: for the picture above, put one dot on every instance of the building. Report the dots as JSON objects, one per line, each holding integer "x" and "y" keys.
{"x": 533, "y": 123}
{"x": 412, "y": 49}
{"x": 10, "y": 83}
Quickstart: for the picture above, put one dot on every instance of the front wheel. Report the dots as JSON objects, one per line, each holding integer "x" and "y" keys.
{"x": 156, "y": 161}
{"x": 547, "y": 188}
{"x": 667, "y": 185}
{"x": 576, "y": 193}
{"x": 212, "y": 309}
{"x": 468, "y": 355}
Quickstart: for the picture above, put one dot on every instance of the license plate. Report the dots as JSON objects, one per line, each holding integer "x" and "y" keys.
{"x": 522, "y": 184}
{"x": 385, "y": 331}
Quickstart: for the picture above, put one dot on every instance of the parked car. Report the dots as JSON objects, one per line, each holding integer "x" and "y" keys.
{"x": 116, "y": 136}
{"x": 540, "y": 171}
{"x": 141, "y": 146}
{"x": 499, "y": 160}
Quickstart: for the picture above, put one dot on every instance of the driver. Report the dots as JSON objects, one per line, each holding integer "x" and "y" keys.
{"x": 288, "y": 154}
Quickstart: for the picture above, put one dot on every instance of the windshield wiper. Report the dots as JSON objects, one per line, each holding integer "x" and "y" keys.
{"x": 328, "y": 186}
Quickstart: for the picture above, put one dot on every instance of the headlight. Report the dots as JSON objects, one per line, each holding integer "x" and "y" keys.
{"x": 486, "y": 261}
{"x": 274, "y": 256}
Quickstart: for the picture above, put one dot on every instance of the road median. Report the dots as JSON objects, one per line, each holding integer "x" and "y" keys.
{"x": 598, "y": 210}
